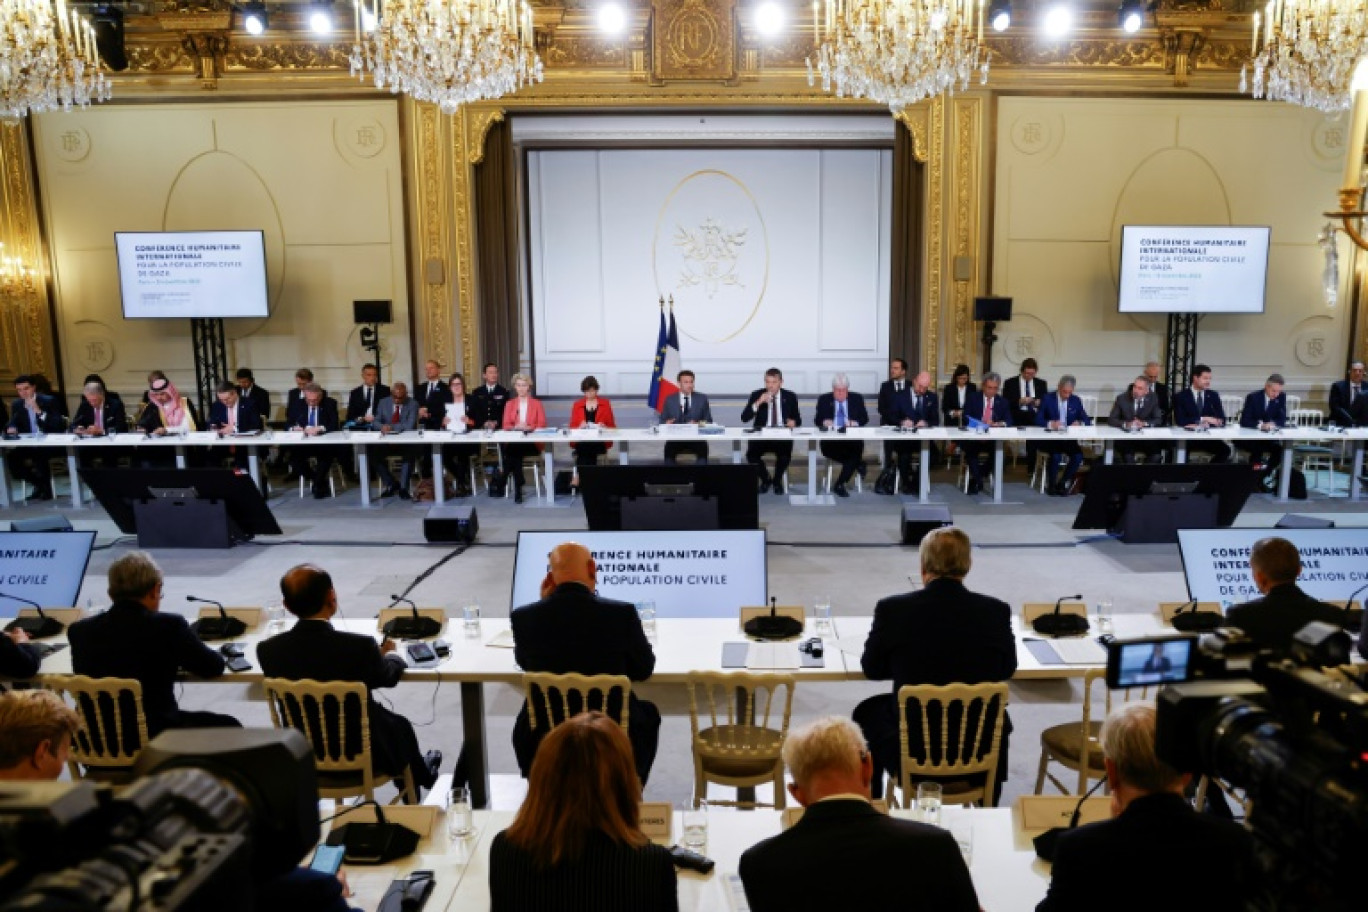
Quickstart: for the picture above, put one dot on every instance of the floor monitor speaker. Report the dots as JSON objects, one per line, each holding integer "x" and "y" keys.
{"x": 919, "y": 519}
{"x": 451, "y": 524}
{"x": 1298, "y": 521}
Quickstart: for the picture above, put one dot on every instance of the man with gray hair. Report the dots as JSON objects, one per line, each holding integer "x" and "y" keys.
{"x": 836, "y": 411}
{"x": 1059, "y": 411}
{"x": 135, "y": 639}
{"x": 877, "y": 856}
{"x": 1160, "y": 391}
{"x": 983, "y": 407}
{"x": 1134, "y": 410}
{"x": 1188, "y": 860}
{"x": 313, "y": 414}
{"x": 1265, "y": 410}
{"x": 1272, "y": 621}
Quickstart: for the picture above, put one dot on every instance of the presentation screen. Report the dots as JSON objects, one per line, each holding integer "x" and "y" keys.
{"x": 42, "y": 567}
{"x": 192, "y": 274}
{"x": 686, "y": 574}
{"x": 1216, "y": 562}
{"x": 1201, "y": 269}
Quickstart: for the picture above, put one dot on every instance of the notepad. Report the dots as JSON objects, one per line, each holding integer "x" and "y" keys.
{"x": 1080, "y": 651}
{"x": 770, "y": 656}
{"x": 502, "y": 640}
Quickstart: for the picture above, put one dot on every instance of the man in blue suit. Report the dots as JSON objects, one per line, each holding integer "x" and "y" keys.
{"x": 1060, "y": 410}
{"x": 1198, "y": 408}
{"x": 688, "y": 407}
{"x": 984, "y": 405}
{"x": 836, "y": 411}
{"x": 234, "y": 413}
{"x": 1346, "y": 394}
{"x": 34, "y": 413}
{"x": 1265, "y": 410}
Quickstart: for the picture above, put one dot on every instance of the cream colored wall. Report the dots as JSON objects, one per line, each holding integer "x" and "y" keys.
{"x": 1071, "y": 172}
{"x": 321, "y": 179}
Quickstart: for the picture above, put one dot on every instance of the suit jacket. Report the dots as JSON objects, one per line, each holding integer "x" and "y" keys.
{"x": 1123, "y": 411}
{"x": 1049, "y": 411}
{"x": 788, "y": 409}
{"x": 1258, "y": 410}
{"x": 431, "y": 398}
{"x": 536, "y": 415}
{"x": 408, "y": 415}
{"x": 292, "y": 398}
{"x": 248, "y": 418}
{"x": 855, "y": 410}
{"x": 50, "y": 420}
{"x": 1359, "y": 412}
{"x": 1186, "y": 412}
{"x": 1013, "y": 390}
{"x": 151, "y": 417}
{"x": 1165, "y": 397}
{"x": 485, "y": 406}
{"x": 1341, "y": 409}
{"x": 950, "y": 402}
{"x": 356, "y": 401}
{"x": 894, "y": 404}
{"x": 1001, "y": 411}
{"x": 699, "y": 409}
{"x": 18, "y": 660}
{"x": 111, "y": 415}
{"x": 1207, "y": 861}
{"x": 327, "y": 415}
{"x": 878, "y": 857}
{"x": 128, "y": 641}
{"x": 609, "y": 877}
{"x": 1272, "y": 621}
{"x": 261, "y": 399}
{"x": 4, "y": 413}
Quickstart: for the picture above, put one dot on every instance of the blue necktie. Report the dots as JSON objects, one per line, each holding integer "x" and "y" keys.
{"x": 313, "y": 417}
{"x": 840, "y": 414}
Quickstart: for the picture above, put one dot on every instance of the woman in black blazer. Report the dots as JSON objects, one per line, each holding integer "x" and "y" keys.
{"x": 576, "y": 843}
{"x": 955, "y": 395}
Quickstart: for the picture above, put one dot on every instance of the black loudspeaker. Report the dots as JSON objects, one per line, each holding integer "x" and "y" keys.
{"x": 54, "y": 523}
{"x": 1152, "y": 519}
{"x": 919, "y": 519}
{"x": 173, "y": 522}
{"x": 371, "y": 312}
{"x": 685, "y": 512}
{"x": 451, "y": 524}
{"x": 1297, "y": 521}
{"x": 992, "y": 307}
{"x": 108, "y": 22}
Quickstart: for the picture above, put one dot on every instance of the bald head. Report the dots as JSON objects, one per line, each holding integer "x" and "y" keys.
{"x": 922, "y": 381}
{"x": 571, "y": 562}
{"x": 307, "y": 591}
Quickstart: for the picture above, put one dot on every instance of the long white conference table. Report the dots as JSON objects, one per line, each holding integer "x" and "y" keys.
{"x": 682, "y": 646}
{"x": 362, "y": 441}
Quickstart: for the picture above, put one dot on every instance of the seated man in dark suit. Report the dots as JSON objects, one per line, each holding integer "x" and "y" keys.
{"x": 363, "y": 401}
{"x": 687, "y": 407}
{"x": 135, "y": 639}
{"x": 772, "y": 406}
{"x": 1265, "y": 410}
{"x": 1058, "y": 411}
{"x": 836, "y": 411}
{"x": 314, "y": 650}
{"x": 878, "y": 857}
{"x": 1135, "y": 410}
{"x": 99, "y": 415}
{"x": 573, "y": 631}
{"x": 33, "y": 413}
{"x": 396, "y": 414}
{"x": 248, "y": 389}
{"x": 1189, "y": 860}
{"x": 315, "y": 414}
{"x": 18, "y": 657}
{"x": 1199, "y": 407}
{"x": 1345, "y": 394}
{"x": 941, "y": 634}
{"x": 986, "y": 406}
{"x": 233, "y": 413}
{"x": 1273, "y": 620}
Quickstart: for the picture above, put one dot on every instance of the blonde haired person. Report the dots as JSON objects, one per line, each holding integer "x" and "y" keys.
{"x": 36, "y": 729}
{"x": 523, "y": 413}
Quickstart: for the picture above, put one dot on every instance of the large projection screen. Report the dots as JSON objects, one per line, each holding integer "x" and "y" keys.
{"x": 773, "y": 257}
{"x": 191, "y": 275}
{"x": 1216, "y": 562}
{"x": 1200, "y": 269}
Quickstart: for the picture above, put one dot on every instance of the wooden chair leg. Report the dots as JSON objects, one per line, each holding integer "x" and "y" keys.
{"x": 1040, "y": 777}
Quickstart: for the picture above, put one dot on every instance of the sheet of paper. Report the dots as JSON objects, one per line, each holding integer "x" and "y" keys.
{"x": 502, "y": 640}
{"x": 772, "y": 656}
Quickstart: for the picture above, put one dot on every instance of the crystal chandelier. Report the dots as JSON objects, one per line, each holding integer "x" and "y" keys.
{"x": 448, "y": 52}
{"x": 897, "y": 52}
{"x": 1304, "y": 52}
{"x": 16, "y": 279}
{"x": 47, "y": 59}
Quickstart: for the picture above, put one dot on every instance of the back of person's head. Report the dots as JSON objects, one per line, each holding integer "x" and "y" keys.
{"x": 304, "y": 588}
{"x": 946, "y": 552}
{"x": 1128, "y": 742}
{"x": 30, "y": 719}
{"x": 583, "y": 782}
{"x": 1276, "y": 559}
{"x": 133, "y": 576}
{"x": 831, "y": 746}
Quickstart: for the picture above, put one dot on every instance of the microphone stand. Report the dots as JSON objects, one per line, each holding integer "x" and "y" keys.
{"x": 223, "y": 627}
{"x": 416, "y": 627}
{"x": 37, "y": 628}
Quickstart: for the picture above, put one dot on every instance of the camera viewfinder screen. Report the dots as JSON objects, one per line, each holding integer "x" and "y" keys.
{"x": 1154, "y": 662}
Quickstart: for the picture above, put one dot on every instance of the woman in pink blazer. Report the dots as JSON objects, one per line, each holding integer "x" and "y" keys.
{"x": 521, "y": 413}
{"x": 594, "y": 411}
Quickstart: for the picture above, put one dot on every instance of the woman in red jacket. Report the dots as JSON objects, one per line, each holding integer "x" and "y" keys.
{"x": 521, "y": 413}
{"x": 590, "y": 411}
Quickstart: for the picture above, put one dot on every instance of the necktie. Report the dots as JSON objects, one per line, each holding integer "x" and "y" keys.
{"x": 232, "y": 418}
{"x": 774, "y": 412}
{"x": 1138, "y": 403}
{"x": 897, "y": 386}
{"x": 395, "y": 419}
{"x": 1199, "y": 402}
{"x": 368, "y": 400}
{"x": 840, "y": 414}
{"x": 99, "y": 419}
{"x": 987, "y": 410}
{"x": 686, "y": 406}
{"x": 313, "y": 417}
{"x": 917, "y": 407}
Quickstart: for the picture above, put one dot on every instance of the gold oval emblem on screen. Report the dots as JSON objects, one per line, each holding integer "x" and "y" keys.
{"x": 711, "y": 253}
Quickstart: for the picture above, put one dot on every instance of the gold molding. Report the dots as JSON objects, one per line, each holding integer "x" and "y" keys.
{"x": 967, "y": 149}
{"x": 463, "y": 219}
{"x": 915, "y": 122}
{"x": 26, "y": 341}
{"x": 480, "y": 125}
{"x": 430, "y": 196}
{"x": 935, "y": 228}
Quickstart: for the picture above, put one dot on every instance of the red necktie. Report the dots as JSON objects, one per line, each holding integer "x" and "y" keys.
{"x": 987, "y": 410}
{"x": 395, "y": 419}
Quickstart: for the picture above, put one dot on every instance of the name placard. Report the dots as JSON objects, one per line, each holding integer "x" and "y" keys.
{"x": 656, "y": 820}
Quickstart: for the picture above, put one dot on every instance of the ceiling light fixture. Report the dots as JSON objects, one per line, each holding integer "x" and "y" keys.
{"x": 1000, "y": 15}
{"x": 1058, "y": 21}
{"x": 611, "y": 19}
{"x": 769, "y": 18}
{"x": 254, "y": 17}
{"x": 1131, "y": 15}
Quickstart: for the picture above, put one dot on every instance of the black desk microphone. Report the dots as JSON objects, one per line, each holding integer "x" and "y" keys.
{"x": 37, "y": 628}
{"x": 1047, "y": 841}
{"x": 416, "y": 627}
{"x": 223, "y": 627}
{"x": 1059, "y": 624}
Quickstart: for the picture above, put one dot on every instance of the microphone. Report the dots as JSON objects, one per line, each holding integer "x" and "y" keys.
{"x": 773, "y": 626}
{"x": 1058, "y": 624}
{"x": 223, "y": 627}
{"x": 1047, "y": 841}
{"x": 37, "y": 628}
{"x": 1349, "y": 615}
{"x": 373, "y": 843}
{"x": 1189, "y": 619}
{"x": 416, "y": 627}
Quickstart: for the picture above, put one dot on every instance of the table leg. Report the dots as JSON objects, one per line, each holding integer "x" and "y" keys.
{"x": 180, "y": 457}
{"x": 363, "y": 472}
{"x": 475, "y": 748}
{"x": 1353, "y": 478}
{"x": 924, "y": 473}
{"x": 737, "y": 456}
{"x": 1107, "y": 452}
{"x": 997, "y": 471}
{"x": 438, "y": 475}
{"x": 5, "y": 479}
{"x": 549, "y": 476}
{"x": 74, "y": 470}
{"x": 812, "y": 497}
{"x": 254, "y": 469}
{"x": 1181, "y": 456}
{"x": 622, "y": 453}
{"x": 1285, "y": 471}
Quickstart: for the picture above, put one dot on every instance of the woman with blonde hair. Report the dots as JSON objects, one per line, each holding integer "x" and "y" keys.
{"x": 576, "y": 843}
{"x": 523, "y": 413}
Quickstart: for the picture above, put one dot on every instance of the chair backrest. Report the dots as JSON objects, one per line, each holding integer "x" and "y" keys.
{"x": 1089, "y": 403}
{"x": 331, "y": 715}
{"x": 1293, "y": 402}
{"x": 739, "y": 710}
{"x": 553, "y": 698}
{"x": 955, "y": 741}
{"x": 1306, "y": 417}
{"x": 1232, "y": 405}
{"x": 113, "y": 726}
{"x": 1032, "y": 610}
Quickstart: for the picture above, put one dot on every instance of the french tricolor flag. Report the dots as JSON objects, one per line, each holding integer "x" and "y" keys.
{"x": 666, "y": 368}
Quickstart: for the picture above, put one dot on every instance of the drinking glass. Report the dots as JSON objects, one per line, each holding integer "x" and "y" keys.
{"x": 460, "y": 815}
{"x": 963, "y": 831}
{"x": 275, "y": 619}
{"x": 821, "y": 612}
{"x": 1103, "y": 623}
{"x": 470, "y": 619}
{"x": 695, "y": 824}
{"x": 929, "y": 802}
{"x": 647, "y": 612}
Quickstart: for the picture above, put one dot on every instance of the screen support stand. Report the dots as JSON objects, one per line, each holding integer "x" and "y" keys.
{"x": 211, "y": 360}
{"x": 988, "y": 339}
{"x": 1180, "y": 351}
{"x": 370, "y": 341}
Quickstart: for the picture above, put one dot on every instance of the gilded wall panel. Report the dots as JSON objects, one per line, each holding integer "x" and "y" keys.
{"x": 26, "y": 343}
